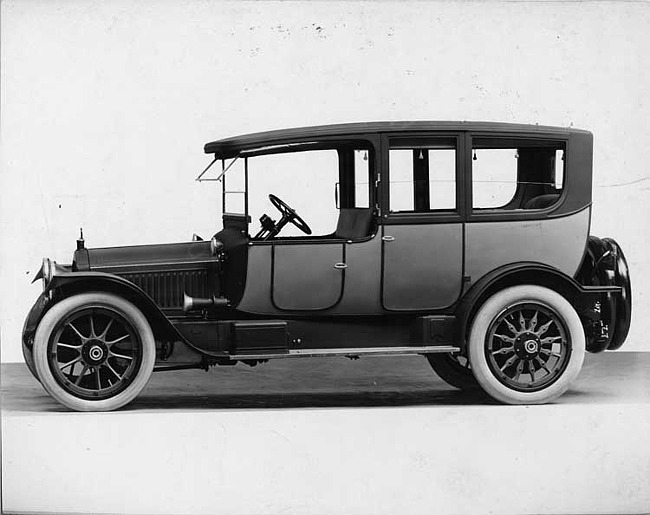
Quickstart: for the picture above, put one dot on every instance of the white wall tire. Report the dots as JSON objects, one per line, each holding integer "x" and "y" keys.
{"x": 526, "y": 345}
{"x": 94, "y": 352}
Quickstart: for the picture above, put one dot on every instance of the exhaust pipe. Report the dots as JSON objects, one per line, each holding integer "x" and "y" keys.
{"x": 198, "y": 303}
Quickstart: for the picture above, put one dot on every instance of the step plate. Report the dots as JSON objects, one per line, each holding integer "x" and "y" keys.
{"x": 368, "y": 351}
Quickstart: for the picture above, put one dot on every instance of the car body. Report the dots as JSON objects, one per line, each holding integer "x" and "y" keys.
{"x": 465, "y": 242}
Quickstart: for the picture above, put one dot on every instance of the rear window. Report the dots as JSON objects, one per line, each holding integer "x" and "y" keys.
{"x": 512, "y": 174}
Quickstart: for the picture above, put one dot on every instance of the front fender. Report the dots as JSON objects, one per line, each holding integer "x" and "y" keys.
{"x": 65, "y": 284}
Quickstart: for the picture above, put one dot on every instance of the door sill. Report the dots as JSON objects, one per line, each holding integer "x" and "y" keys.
{"x": 350, "y": 352}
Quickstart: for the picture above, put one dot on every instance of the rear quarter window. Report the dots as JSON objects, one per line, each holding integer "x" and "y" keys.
{"x": 510, "y": 174}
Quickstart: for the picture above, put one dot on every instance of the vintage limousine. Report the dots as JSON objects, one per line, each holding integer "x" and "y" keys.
{"x": 464, "y": 242}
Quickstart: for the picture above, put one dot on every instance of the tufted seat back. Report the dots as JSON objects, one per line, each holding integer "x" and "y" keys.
{"x": 354, "y": 223}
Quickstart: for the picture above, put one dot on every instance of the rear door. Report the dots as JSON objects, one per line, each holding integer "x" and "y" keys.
{"x": 422, "y": 228}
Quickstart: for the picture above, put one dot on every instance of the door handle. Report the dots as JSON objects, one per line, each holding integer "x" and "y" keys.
{"x": 388, "y": 238}
{"x": 340, "y": 266}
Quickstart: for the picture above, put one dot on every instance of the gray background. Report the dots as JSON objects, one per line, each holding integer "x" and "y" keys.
{"x": 106, "y": 106}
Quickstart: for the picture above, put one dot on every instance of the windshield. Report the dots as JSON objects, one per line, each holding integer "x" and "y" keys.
{"x": 233, "y": 171}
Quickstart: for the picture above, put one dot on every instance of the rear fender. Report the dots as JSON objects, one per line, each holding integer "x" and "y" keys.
{"x": 581, "y": 297}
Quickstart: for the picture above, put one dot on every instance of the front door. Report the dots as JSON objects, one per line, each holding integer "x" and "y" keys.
{"x": 422, "y": 233}
{"x": 308, "y": 276}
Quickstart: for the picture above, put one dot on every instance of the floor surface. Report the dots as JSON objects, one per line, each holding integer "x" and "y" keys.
{"x": 330, "y": 435}
{"x": 622, "y": 377}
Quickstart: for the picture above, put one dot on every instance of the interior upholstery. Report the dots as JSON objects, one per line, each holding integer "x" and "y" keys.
{"x": 354, "y": 223}
{"x": 542, "y": 201}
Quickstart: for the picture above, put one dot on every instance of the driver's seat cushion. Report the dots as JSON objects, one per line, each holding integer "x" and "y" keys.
{"x": 354, "y": 223}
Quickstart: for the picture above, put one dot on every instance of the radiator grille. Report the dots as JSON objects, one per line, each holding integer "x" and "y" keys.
{"x": 167, "y": 288}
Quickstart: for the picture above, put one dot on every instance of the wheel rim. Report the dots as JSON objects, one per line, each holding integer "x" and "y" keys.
{"x": 527, "y": 347}
{"x": 95, "y": 353}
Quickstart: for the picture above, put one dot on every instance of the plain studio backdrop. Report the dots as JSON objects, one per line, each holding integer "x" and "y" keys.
{"x": 106, "y": 107}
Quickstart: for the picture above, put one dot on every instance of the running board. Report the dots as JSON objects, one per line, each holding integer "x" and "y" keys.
{"x": 369, "y": 351}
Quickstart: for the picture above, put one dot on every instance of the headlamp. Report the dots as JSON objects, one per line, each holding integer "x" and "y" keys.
{"x": 46, "y": 272}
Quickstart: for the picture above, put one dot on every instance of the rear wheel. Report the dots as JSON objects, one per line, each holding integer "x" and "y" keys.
{"x": 94, "y": 352}
{"x": 454, "y": 370}
{"x": 526, "y": 345}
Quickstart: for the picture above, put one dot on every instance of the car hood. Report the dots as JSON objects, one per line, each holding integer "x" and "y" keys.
{"x": 109, "y": 258}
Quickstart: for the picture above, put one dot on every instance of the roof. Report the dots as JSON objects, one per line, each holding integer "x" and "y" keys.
{"x": 230, "y": 147}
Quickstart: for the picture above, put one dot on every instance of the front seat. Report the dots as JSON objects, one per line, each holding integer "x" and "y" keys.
{"x": 354, "y": 223}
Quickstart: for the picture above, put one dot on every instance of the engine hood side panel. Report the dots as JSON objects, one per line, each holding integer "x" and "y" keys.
{"x": 142, "y": 255}
{"x": 164, "y": 272}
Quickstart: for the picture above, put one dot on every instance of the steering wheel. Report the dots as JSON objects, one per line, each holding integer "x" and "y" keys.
{"x": 288, "y": 215}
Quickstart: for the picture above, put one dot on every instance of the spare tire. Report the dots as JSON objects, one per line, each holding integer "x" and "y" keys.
{"x": 624, "y": 299}
{"x": 595, "y": 272}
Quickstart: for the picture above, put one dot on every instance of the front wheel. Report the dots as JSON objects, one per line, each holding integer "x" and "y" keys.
{"x": 526, "y": 345}
{"x": 94, "y": 352}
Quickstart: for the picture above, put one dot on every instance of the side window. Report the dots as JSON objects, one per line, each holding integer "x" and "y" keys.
{"x": 354, "y": 188}
{"x": 361, "y": 178}
{"x": 318, "y": 183}
{"x": 422, "y": 175}
{"x": 559, "y": 168}
{"x": 494, "y": 172}
{"x": 304, "y": 180}
{"x": 509, "y": 174}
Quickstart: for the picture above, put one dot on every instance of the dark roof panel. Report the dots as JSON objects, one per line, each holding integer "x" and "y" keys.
{"x": 230, "y": 147}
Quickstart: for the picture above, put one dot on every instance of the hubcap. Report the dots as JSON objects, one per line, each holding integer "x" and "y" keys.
{"x": 531, "y": 346}
{"x": 527, "y": 346}
{"x": 95, "y": 353}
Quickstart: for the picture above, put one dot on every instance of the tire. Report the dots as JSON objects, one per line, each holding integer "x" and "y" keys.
{"x": 624, "y": 299}
{"x": 502, "y": 347}
{"x": 94, "y": 352}
{"x": 594, "y": 273}
{"x": 454, "y": 372}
